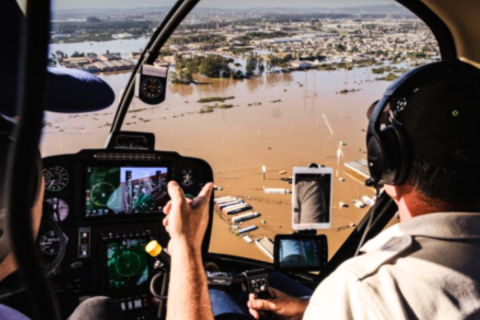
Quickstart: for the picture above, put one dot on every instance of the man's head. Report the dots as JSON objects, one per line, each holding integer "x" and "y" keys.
{"x": 68, "y": 91}
{"x": 430, "y": 144}
{"x": 33, "y": 194}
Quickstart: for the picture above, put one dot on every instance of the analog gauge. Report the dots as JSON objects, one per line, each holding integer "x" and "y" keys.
{"x": 103, "y": 194}
{"x": 187, "y": 178}
{"x": 152, "y": 87}
{"x": 55, "y": 271}
{"x": 58, "y": 209}
{"x": 56, "y": 178}
{"x": 50, "y": 243}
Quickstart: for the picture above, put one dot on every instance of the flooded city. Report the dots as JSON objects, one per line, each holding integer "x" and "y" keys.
{"x": 277, "y": 120}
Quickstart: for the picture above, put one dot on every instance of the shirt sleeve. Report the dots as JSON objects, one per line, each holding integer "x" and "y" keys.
{"x": 11, "y": 314}
{"x": 342, "y": 296}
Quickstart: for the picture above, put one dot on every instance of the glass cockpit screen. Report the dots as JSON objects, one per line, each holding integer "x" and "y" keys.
{"x": 127, "y": 263}
{"x": 125, "y": 190}
{"x": 298, "y": 252}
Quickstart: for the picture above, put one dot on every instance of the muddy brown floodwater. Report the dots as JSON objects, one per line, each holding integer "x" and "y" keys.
{"x": 305, "y": 124}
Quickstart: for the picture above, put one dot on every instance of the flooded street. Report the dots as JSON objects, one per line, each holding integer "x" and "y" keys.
{"x": 277, "y": 120}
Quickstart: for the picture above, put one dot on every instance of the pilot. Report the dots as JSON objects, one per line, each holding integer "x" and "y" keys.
{"x": 425, "y": 267}
{"x": 66, "y": 92}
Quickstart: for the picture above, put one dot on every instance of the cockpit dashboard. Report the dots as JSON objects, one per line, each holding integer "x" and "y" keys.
{"x": 109, "y": 205}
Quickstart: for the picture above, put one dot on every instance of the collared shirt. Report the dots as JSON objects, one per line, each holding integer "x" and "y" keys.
{"x": 425, "y": 268}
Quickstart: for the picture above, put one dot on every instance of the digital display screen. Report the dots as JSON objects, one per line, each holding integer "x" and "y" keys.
{"x": 125, "y": 190}
{"x": 300, "y": 253}
{"x": 311, "y": 201}
{"x": 127, "y": 263}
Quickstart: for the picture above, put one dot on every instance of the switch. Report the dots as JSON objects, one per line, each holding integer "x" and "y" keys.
{"x": 137, "y": 303}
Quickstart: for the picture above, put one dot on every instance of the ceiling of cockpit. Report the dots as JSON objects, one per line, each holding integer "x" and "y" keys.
{"x": 463, "y": 19}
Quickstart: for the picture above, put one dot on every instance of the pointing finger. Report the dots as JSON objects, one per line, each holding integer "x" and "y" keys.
{"x": 204, "y": 195}
{"x": 206, "y": 191}
{"x": 176, "y": 193}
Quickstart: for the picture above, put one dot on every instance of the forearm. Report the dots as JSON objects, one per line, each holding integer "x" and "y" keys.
{"x": 188, "y": 297}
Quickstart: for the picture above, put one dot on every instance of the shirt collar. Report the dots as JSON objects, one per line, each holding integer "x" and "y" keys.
{"x": 442, "y": 225}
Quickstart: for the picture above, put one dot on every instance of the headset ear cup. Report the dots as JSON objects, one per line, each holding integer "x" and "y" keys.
{"x": 405, "y": 155}
{"x": 391, "y": 154}
{"x": 376, "y": 159}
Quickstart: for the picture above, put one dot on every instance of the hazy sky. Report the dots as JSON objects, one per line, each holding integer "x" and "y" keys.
{"x": 73, "y": 4}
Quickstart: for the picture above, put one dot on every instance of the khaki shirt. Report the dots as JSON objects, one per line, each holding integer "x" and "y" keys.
{"x": 425, "y": 268}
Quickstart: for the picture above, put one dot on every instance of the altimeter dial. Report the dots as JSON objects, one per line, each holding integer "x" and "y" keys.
{"x": 50, "y": 243}
{"x": 56, "y": 178}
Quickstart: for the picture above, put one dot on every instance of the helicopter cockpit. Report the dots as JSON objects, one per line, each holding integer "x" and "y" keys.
{"x": 262, "y": 101}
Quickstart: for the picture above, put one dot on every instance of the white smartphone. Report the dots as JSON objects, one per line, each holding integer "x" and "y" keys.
{"x": 312, "y": 198}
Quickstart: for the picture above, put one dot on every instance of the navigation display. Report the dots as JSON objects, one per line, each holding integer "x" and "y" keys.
{"x": 300, "y": 252}
{"x": 127, "y": 263}
{"x": 125, "y": 190}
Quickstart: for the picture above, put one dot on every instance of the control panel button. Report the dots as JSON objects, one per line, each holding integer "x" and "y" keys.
{"x": 84, "y": 242}
{"x": 137, "y": 303}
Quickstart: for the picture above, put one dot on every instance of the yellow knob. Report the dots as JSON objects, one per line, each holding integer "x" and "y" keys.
{"x": 153, "y": 248}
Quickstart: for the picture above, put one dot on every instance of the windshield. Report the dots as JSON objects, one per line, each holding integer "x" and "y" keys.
{"x": 256, "y": 88}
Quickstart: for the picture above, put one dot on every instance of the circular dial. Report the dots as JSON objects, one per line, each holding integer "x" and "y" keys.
{"x": 187, "y": 178}
{"x": 59, "y": 208}
{"x": 103, "y": 194}
{"x": 55, "y": 271}
{"x": 56, "y": 178}
{"x": 128, "y": 264}
{"x": 50, "y": 243}
{"x": 152, "y": 87}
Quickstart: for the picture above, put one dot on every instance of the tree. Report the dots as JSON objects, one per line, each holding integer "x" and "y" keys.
{"x": 251, "y": 67}
{"x": 93, "y": 19}
{"x": 261, "y": 67}
{"x": 77, "y": 54}
{"x": 341, "y": 48}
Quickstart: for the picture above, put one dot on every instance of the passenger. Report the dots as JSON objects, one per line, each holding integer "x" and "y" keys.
{"x": 68, "y": 91}
{"x": 425, "y": 267}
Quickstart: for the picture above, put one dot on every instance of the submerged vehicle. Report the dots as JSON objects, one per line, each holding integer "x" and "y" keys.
{"x": 106, "y": 172}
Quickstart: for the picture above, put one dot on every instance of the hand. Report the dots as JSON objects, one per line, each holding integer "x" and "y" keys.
{"x": 186, "y": 219}
{"x": 283, "y": 306}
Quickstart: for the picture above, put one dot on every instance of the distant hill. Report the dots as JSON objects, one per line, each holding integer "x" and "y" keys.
{"x": 391, "y": 9}
{"x": 372, "y": 9}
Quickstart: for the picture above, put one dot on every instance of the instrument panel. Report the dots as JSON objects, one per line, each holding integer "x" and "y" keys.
{"x": 109, "y": 205}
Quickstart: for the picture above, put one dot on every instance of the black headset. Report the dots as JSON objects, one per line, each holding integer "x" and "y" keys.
{"x": 32, "y": 187}
{"x": 389, "y": 148}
